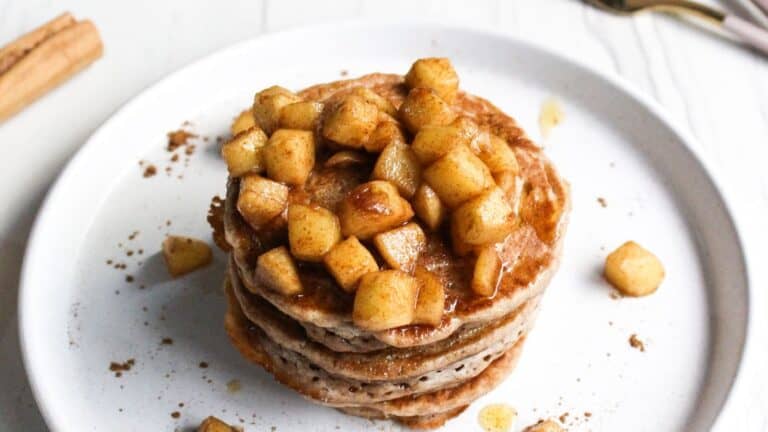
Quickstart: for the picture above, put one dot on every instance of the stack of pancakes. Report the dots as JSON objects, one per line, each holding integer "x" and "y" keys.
{"x": 419, "y": 375}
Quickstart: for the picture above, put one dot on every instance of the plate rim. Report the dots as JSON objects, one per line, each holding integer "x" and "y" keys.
{"x": 46, "y": 210}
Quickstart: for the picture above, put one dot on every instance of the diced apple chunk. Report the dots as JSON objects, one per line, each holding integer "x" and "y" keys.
{"x": 290, "y": 155}
{"x": 243, "y": 153}
{"x": 484, "y": 219}
{"x": 277, "y": 271}
{"x": 267, "y": 105}
{"x": 386, "y": 133}
{"x": 348, "y": 261}
{"x": 385, "y": 300}
{"x": 312, "y": 231}
{"x": 633, "y": 270}
{"x": 459, "y": 246}
{"x": 346, "y": 158}
{"x": 212, "y": 424}
{"x": 431, "y": 300}
{"x": 497, "y": 155}
{"x": 351, "y": 122}
{"x": 424, "y": 107}
{"x": 458, "y": 176}
{"x": 183, "y": 255}
{"x": 400, "y": 247}
{"x": 428, "y": 207}
{"x": 434, "y": 142}
{"x": 511, "y": 185}
{"x": 243, "y": 122}
{"x": 398, "y": 165}
{"x": 261, "y": 199}
{"x": 435, "y": 73}
{"x": 300, "y": 115}
{"x": 371, "y": 96}
{"x": 371, "y": 208}
{"x": 545, "y": 426}
{"x": 487, "y": 272}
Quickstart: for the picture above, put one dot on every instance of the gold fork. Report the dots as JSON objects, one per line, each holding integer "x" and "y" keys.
{"x": 744, "y": 30}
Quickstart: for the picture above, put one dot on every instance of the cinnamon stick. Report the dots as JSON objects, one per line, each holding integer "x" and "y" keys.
{"x": 17, "y": 49}
{"x": 44, "y": 58}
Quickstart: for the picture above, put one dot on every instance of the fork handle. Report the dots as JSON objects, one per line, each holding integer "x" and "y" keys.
{"x": 747, "y": 32}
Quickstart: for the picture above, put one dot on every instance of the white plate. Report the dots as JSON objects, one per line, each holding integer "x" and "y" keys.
{"x": 613, "y": 144}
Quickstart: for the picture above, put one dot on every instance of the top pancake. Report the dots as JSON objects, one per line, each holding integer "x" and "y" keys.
{"x": 530, "y": 254}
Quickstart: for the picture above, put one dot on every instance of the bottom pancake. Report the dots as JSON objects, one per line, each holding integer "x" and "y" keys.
{"x": 426, "y": 410}
{"x": 428, "y": 421}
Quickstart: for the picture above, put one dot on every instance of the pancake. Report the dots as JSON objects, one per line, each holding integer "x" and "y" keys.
{"x": 388, "y": 363}
{"x": 425, "y": 410}
{"x": 530, "y": 254}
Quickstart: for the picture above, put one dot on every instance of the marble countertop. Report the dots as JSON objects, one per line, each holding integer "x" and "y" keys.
{"x": 707, "y": 83}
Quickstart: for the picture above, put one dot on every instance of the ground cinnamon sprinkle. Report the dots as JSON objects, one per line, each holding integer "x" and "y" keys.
{"x": 178, "y": 139}
{"x": 203, "y": 365}
{"x": 119, "y": 368}
{"x": 166, "y": 341}
{"x": 636, "y": 343}
{"x": 603, "y": 203}
{"x": 175, "y": 414}
{"x": 215, "y": 219}
{"x": 150, "y": 171}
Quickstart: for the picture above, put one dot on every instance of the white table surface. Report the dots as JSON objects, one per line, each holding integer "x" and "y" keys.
{"x": 709, "y": 84}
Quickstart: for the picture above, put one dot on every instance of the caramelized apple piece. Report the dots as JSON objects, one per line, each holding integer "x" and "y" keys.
{"x": 277, "y": 271}
{"x": 423, "y": 107}
{"x": 300, "y": 115}
{"x": 400, "y": 247}
{"x": 435, "y": 73}
{"x": 428, "y": 207}
{"x": 371, "y": 96}
{"x": 545, "y": 426}
{"x": 290, "y": 155}
{"x": 497, "y": 155}
{"x": 386, "y": 133}
{"x": 261, "y": 199}
{"x": 458, "y": 176}
{"x": 487, "y": 272}
{"x": 243, "y": 153}
{"x": 431, "y": 300}
{"x": 633, "y": 270}
{"x": 434, "y": 142}
{"x": 346, "y": 158}
{"x": 384, "y": 300}
{"x": 312, "y": 231}
{"x": 483, "y": 219}
{"x": 398, "y": 165}
{"x": 212, "y": 424}
{"x": 348, "y": 261}
{"x": 267, "y": 105}
{"x": 371, "y": 208}
{"x": 511, "y": 185}
{"x": 351, "y": 122}
{"x": 242, "y": 122}
{"x": 183, "y": 255}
